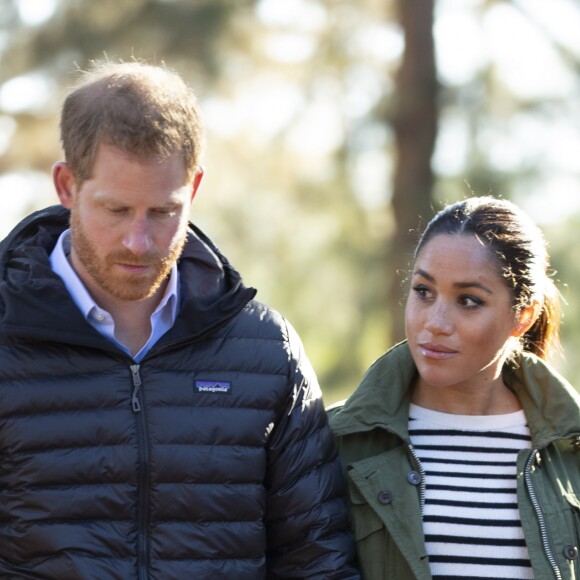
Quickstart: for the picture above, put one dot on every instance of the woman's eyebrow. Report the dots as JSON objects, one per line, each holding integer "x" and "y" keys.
{"x": 420, "y": 272}
{"x": 462, "y": 285}
{"x": 473, "y": 285}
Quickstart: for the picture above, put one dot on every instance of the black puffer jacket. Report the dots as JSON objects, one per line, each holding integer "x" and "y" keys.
{"x": 210, "y": 459}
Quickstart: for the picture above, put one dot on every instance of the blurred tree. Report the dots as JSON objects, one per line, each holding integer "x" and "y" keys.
{"x": 415, "y": 122}
{"x": 80, "y": 30}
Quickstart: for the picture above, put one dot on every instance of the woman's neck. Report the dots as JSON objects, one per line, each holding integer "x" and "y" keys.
{"x": 496, "y": 399}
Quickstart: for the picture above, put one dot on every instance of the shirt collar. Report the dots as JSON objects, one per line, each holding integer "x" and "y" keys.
{"x": 61, "y": 265}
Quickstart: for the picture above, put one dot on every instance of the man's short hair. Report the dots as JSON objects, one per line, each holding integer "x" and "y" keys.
{"x": 146, "y": 111}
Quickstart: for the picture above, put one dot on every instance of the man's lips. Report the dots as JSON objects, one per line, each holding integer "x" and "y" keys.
{"x": 133, "y": 268}
{"x": 436, "y": 351}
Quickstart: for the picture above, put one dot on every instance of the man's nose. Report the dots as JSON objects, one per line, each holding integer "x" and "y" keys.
{"x": 137, "y": 238}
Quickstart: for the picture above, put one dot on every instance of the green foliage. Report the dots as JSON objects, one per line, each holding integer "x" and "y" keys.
{"x": 183, "y": 31}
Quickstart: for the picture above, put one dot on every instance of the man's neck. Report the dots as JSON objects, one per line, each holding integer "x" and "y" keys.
{"x": 132, "y": 318}
{"x": 132, "y": 327}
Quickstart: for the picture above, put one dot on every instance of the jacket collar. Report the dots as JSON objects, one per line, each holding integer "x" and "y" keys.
{"x": 382, "y": 399}
{"x": 33, "y": 298}
{"x": 550, "y": 403}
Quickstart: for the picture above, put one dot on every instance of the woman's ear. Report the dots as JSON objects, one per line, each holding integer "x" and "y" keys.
{"x": 64, "y": 183}
{"x": 526, "y": 317}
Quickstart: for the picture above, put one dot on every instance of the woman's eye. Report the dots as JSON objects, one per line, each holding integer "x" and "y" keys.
{"x": 470, "y": 301}
{"x": 422, "y": 291}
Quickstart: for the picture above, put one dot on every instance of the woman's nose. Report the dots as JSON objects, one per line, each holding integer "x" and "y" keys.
{"x": 439, "y": 319}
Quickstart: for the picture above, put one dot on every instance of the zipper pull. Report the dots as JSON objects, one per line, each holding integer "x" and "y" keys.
{"x": 136, "y": 385}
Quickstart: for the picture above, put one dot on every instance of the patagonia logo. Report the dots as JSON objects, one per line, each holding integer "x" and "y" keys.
{"x": 213, "y": 387}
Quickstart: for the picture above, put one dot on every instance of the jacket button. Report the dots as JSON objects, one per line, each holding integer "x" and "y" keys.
{"x": 385, "y": 497}
{"x": 413, "y": 478}
{"x": 571, "y": 552}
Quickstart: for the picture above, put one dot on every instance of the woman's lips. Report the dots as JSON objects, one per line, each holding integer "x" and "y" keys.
{"x": 436, "y": 351}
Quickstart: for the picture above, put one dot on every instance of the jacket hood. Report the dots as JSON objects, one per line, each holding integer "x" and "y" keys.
{"x": 550, "y": 403}
{"x": 34, "y": 303}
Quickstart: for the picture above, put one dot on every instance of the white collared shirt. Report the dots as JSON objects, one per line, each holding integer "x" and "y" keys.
{"x": 162, "y": 318}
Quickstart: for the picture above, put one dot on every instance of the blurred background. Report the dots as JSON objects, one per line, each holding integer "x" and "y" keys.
{"x": 335, "y": 130}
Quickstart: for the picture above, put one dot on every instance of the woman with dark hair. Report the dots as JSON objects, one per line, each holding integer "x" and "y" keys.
{"x": 461, "y": 444}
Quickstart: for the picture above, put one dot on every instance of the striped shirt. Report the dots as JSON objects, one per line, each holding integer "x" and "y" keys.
{"x": 471, "y": 520}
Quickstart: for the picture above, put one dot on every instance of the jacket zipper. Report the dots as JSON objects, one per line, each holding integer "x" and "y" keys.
{"x": 143, "y": 493}
{"x": 136, "y": 388}
{"x": 540, "y": 515}
{"x": 422, "y": 489}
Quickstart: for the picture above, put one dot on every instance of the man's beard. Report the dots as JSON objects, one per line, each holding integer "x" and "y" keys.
{"x": 123, "y": 286}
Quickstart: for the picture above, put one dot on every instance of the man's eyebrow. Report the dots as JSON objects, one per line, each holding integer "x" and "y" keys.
{"x": 466, "y": 284}
{"x": 172, "y": 201}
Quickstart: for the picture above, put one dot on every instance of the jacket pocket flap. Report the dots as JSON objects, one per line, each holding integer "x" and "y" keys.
{"x": 365, "y": 520}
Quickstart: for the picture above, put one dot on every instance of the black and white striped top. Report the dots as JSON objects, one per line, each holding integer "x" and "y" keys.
{"x": 471, "y": 521}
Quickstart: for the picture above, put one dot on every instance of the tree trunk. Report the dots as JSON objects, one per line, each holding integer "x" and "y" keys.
{"x": 415, "y": 126}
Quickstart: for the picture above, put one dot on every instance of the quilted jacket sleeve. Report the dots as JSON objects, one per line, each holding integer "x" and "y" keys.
{"x": 308, "y": 529}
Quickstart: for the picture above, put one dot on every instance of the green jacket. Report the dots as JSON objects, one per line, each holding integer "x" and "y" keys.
{"x": 386, "y": 481}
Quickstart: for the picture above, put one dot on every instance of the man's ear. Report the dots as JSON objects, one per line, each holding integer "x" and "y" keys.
{"x": 526, "y": 318}
{"x": 64, "y": 183}
{"x": 196, "y": 182}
